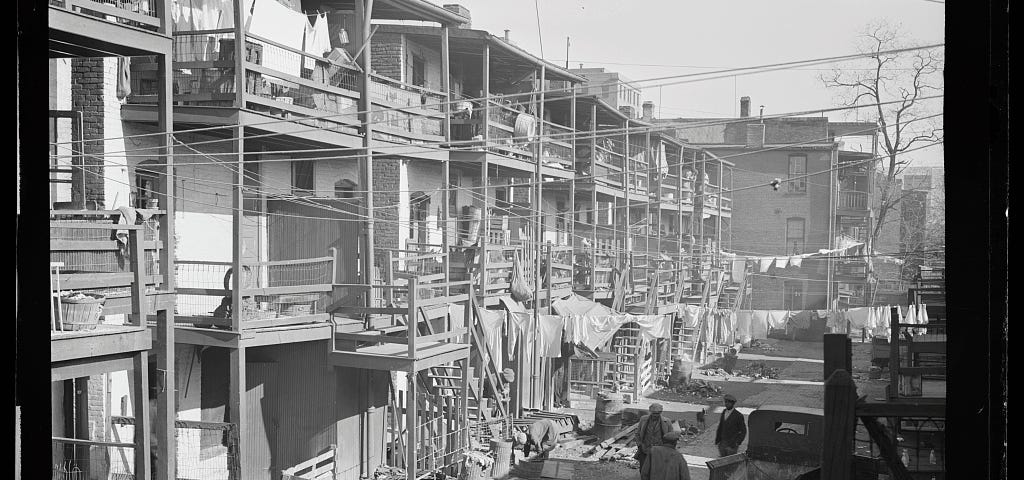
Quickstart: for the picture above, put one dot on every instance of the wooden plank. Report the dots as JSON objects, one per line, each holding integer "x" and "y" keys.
{"x": 82, "y": 281}
{"x": 85, "y": 367}
{"x": 922, "y": 371}
{"x": 95, "y": 226}
{"x": 212, "y": 292}
{"x": 117, "y": 12}
{"x": 301, "y": 261}
{"x": 97, "y": 245}
{"x": 437, "y": 337}
{"x": 286, "y": 290}
{"x": 840, "y": 421}
{"x": 916, "y": 408}
{"x": 370, "y": 310}
{"x": 622, "y": 434}
{"x": 97, "y": 443}
{"x": 284, "y": 321}
{"x": 371, "y": 337}
{"x": 79, "y": 347}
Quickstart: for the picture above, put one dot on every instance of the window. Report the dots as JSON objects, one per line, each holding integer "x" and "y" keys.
{"x": 791, "y": 428}
{"x": 302, "y": 178}
{"x": 794, "y": 235}
{"x": 797, "y": 168}
{"x": 418, "y": 69}
{"x": 419, "y": 207}
{"x": 344, "y": 188}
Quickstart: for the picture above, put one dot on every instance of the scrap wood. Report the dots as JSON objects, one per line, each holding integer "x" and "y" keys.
{"x": 622, "y": 434}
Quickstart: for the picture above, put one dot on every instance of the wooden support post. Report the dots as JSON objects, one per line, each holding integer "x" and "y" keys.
{"x": 166, "y": 411}
{"x": 484, "y": 176}
{"x": 364, "y": 10}
{"x": 140, "y": 407}
{"x": 626, "y": 188}
{"x": 593, "y": 197}
{"x": 412, "y": 420}
{"x": 894, "y": 353}
{"x": 840, "y": 422}
{"x": 237, "y": 316}
{"x": 838, "y": 353}
{"x": 412, "y": 321}
{"x": 447, "y": 126}
{"x": 237, "y": 409}
{"x": 138, "y": 315}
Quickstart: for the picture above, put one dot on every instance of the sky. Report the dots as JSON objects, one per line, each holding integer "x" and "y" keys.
{"x": 645, "y": 39}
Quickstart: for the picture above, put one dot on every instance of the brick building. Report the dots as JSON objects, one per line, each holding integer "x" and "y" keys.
{"x": 817, "y": 205}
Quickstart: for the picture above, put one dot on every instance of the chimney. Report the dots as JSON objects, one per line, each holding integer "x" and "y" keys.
{"x": 628, "y": 111}
{"x": 744, "y": 107}
{"x": 506, "y": 35}
{"x": 755, "y": 135}
{"x": 461, "y": 11}
{"x": 648, "y": 111}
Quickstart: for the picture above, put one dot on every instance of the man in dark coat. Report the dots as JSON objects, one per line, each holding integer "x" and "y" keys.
{"x": 650, "y": 432}
{"x": 665, "y": 462}
{"x": 732, "y": 429}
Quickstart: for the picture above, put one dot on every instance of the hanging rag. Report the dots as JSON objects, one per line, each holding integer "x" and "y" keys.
{"x": 653, "y": 326}
{"x": 281, "y": 25}
{"x": 594, "y": 331}
{"x": 124, "y": 81}
{"x": 690, "y": 314}
{"x": 759, "y": 324}
{"x": 743, "y": 320}
{"x": 317, "y": 41}
{"x": 801, "y": 319}
{"x": 858, "y": 317}
{"x": 515, "y": 324}
{"x": 835, "y": 320}
{"x": 796, "y": 261}
{"x": 729, "y": 325}
{"x": 491, "y": 322}
{"x": 739, "y": 270}
{"x": 777, "y": 318}
{"x": 549, "y": 339}
{"x": 781, "y": 262}
{"x": 766, "y": 263}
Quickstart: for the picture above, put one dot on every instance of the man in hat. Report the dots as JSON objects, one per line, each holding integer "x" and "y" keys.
{"x": 665, "y": 462}
{"x": 650, "y": 431}
{"x": 732, "y": 429}
{"x": 541, "y": 436}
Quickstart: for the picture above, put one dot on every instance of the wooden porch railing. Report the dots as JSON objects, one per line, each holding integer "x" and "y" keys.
{"x": 135, "y": 13}
{"x": 852, "y": 200}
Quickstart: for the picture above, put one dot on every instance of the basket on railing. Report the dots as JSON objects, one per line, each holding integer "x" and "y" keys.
{"x": 80, "y": 311}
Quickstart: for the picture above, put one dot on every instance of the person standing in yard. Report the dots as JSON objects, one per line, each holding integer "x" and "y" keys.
{"x": 732, "y": 429}
{"x": 650, "y": 432}
{"x": 665, "y": 462}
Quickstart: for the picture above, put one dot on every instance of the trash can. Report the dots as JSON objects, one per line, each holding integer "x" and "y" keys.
{"x": 608, "y": 414}
{"x": 501, "y": 451}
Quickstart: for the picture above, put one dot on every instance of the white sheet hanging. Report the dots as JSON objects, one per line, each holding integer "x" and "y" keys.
{"x": 318, "y": 40}
{"x": 549, "y": 339}
{"x": 281, "y": 25}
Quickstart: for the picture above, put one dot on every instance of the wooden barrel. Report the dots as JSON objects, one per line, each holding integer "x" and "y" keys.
{"x": 608, "y": 414}
{"x": 501, "y": 450}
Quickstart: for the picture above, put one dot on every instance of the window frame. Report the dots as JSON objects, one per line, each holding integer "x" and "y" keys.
{"x": 301, "y": 191}
{"x": 799, "y": 186}
{"x": 790, "y": 238}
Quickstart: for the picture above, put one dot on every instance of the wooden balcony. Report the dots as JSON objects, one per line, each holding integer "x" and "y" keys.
{"x": 274, "y": 293}
{"x": 283, "y": 82}
{"x": 420, "y": 330}
{"x": 102, "y": 28}
{"x": 92, "y": 254}
{"x": 852, "y": 203}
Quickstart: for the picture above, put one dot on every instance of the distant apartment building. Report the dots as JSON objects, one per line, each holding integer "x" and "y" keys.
{"x": 804, "y": 214}
{"x": 611, "y": 87}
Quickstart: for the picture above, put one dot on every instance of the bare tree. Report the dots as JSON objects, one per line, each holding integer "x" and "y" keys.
{"x": 909, "y": 122}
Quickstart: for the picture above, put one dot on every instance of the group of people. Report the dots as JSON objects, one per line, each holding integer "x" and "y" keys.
{"x": 656, "y": 441}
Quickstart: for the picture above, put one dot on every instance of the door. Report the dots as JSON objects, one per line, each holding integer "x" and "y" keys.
{"x": 261, "y": 403}
{"x": 297, "y": 231}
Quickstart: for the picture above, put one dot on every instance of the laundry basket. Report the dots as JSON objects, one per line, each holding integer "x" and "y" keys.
{"x": 80, "y": 311}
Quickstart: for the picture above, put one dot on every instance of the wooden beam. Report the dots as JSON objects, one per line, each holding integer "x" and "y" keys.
{"x": 237, "y": 408}
{"x": 166, "y": 413}
{"x": 412, "y": 423}
{"x": 85, "y": 346}
{"x": 840, "y": 421}
{"x": 936, "y": 409}
{"x": 140, "y": 405}
{"x": 86, "y": 367}
{"x": 887, "y": 447}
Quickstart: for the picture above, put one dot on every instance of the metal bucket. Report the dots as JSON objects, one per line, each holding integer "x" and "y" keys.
{"x": 501, "y": 450}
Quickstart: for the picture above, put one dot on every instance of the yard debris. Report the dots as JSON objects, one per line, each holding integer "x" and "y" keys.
{"x": 387, "y": 472}
{"x": 764, "y": 346}
{"x": 700, "y": 388}
{"x": 758, "y": 370}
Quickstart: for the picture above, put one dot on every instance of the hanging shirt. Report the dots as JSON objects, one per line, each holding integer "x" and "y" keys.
{"x": 858, "y": 317}
{"x": 690, "y": 314}
{"x": 766, "y": 263}
{"x": 549, "y": 340}
{"x": 653, "y": 326}
{"x": 515, "y": 325}
{"x": 759, "y": 324}
{"x": 491, "y": 322}
{"x": 743, "y": 320}
{"x": 777, "y": 318}
{"x": 317, "y": 40}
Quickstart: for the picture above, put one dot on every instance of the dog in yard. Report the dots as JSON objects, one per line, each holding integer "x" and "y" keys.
{"x": 701, "y": 416}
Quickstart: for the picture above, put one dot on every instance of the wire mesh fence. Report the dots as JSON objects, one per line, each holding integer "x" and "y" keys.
{"x": 74, "y": 459}
{"x": 205, "y": 450}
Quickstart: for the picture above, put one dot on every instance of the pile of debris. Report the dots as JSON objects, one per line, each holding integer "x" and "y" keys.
{"x": 620, "y": 447}
{"x": 715, "y": 372}
{"x": 700, "y": 389}
{"x": 386, "y": 472}
{"x": 758, "y": 370}
{"x": 764, "y": 346}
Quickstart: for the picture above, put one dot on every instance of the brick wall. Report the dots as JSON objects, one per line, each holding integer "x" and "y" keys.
{"x": 386, "y": 55}
{"x": 386, "y": 187}
{"x": 97, "y": 407}
{"x": 87, "y": 95}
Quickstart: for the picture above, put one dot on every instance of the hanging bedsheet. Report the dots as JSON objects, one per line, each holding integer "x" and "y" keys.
{"x": 491, "y": 322}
